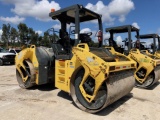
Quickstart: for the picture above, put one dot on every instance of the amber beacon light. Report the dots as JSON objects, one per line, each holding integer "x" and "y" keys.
{"x": 52, "y": 10}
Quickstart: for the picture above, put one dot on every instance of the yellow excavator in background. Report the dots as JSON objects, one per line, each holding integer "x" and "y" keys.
{"x": 92, "y": 76}
{"x": 148, "y": 69}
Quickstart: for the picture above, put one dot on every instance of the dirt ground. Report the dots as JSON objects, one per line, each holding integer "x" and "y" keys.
{"x": 48, "y": 103}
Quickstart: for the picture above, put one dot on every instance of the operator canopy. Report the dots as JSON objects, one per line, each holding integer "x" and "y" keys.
{"x": 69, "y": 14}
{"x": 121, "y": 29}
{"x": 149, "y": 36}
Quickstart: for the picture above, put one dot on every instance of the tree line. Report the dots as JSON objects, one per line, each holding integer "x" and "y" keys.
{"x": 23, "y": 35}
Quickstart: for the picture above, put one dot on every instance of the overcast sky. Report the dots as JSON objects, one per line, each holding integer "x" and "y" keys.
{"x": 143, "y": 14}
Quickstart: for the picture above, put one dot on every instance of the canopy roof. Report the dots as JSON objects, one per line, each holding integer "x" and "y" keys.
{"x": 68, "y": 14}
{"x": 121, "y": 29}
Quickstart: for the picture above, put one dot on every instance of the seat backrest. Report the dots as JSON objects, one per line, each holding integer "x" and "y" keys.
{"x": 85, "y": 38}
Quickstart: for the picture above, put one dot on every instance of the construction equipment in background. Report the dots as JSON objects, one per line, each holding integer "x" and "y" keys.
{"x": 154, "y": 52}
{"x": 92, "y": 76}
{"x": 148, "y": 70}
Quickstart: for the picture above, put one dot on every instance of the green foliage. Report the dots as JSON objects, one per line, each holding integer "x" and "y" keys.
{"x": 48, "y": 38}
{"x": 13, "y": 36}
{"x": 6, "y": 28}
{"x": 22, "y": 35}
{"x": 23, "y": 32}
{"x": 45, "y": 40}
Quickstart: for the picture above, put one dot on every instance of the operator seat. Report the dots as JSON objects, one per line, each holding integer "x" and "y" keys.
{"x": 85, "y": 38}
{"x": 65, "y": 41}
{"x": 62, "y": 48}
{"x": 115, "y": 46}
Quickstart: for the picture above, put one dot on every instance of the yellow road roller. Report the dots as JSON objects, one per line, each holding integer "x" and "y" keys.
{"x": 154, "y": 50}
{"x": 91, "y": 75}
{"x": 147, "y": 70}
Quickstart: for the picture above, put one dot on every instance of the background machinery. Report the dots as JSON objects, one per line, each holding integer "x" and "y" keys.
{"x": 93, "y": 76}
{"x": 147, "y": 72}
{"x": 155, "y": 50}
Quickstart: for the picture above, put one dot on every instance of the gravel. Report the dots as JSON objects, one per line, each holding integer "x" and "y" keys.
{"x": 48, "y": 103}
